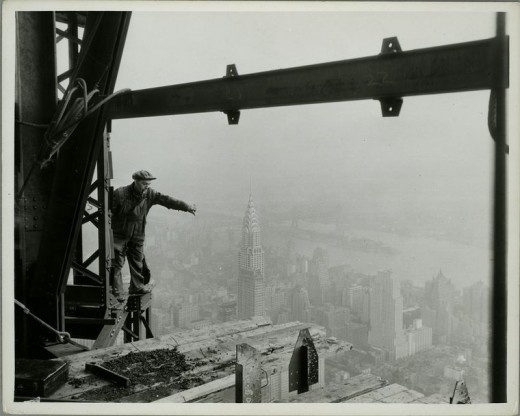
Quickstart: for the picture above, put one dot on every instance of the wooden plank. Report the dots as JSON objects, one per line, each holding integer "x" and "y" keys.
{"x": 200, "y": 391}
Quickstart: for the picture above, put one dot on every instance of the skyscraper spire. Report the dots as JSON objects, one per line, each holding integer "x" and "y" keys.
{"x": 251, "y": 285}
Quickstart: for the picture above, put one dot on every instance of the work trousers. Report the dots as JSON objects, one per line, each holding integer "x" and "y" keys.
{"x": 134, "y": 252}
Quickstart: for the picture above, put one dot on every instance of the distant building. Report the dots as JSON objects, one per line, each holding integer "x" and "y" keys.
{"x": 386, "y": 316}
{"x": 357, "y": 334}
{"x": 251, "y": 281}
{"x": 183, "y": 314}
{"x": 359, "y": 301}
{"x": 439, "y": 291}
{"x": 335, "y": 319}
{"x": 439, "y": 297}
{"x": 160, "y": 321}
{"x": 419, "y": 337}
{"x": 274, "y": 301}
{"x": 412, "y": 295}
{"x": 410, "y": 315}
{"x": 318, "y": 275}
{"x": 302, "y": 264}
{"x": 199, "y": 323}
{"x": 300, "y": 305}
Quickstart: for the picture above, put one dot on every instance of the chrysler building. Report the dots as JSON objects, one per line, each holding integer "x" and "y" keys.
{"x": 251, "y": 284}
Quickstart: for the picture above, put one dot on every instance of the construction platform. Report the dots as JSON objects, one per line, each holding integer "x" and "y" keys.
{"x": 197, "y": 362}
{"x": 200, "y": 365}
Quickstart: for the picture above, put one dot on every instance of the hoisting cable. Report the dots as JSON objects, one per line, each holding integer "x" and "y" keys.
{"x": 63, "y": 337}
{"x": 69, "y": 117}
{"x": 64, "y": 133}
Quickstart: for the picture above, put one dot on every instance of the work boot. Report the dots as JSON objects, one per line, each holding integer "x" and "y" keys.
{"x": 120, "y": 298}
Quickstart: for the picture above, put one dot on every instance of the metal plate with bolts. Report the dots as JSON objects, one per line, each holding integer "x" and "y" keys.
{"x": 303, "y": 367}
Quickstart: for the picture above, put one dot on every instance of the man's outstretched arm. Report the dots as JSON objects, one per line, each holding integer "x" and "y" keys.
{"x": 172, "y": 203}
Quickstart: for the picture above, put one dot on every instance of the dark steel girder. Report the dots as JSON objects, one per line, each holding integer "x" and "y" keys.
{"x": 98, "y": 65}
{"x": 35, "y": 103}
{"x": 452, "y": 68}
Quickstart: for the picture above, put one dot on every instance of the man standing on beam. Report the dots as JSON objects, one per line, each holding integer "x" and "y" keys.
{"x": 130, "y": 206}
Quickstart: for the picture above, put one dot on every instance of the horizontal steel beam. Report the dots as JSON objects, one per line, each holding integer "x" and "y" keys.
{"x": 391, "y": 74}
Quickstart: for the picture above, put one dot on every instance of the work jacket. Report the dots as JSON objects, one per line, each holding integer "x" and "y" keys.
{"x": 129, "y": 210}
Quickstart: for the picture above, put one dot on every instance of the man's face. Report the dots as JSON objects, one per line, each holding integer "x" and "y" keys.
{"x": 142, "y": 185}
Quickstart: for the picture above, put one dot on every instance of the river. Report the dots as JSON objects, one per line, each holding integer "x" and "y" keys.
{"x": 416, "y": 258}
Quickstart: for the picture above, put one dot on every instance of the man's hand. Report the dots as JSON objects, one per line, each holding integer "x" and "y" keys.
{"x": 192, "y": 209}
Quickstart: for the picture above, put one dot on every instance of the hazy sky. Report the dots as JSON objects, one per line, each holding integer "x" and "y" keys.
{"x": 435, "y": 155}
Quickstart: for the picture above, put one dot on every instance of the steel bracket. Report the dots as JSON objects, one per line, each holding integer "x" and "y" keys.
{"x": 233, "y": 116}
{"x": 139, "y": 303}
{"x": 390, "y": 46}
{"x": 303, "y": 367}
{"x": 391, "y": 107}
{"x": 231, "y": 71}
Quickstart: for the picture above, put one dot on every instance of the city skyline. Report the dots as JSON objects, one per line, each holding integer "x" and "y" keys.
{"x": 389, "y": 322}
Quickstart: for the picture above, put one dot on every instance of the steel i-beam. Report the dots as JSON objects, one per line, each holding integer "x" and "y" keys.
{"x": 387, "y": 77}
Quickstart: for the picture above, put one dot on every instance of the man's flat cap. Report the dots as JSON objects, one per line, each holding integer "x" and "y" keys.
{"x": 143, "y": 175}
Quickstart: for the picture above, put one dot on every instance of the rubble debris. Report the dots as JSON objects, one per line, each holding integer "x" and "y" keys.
{"x": 152, "y": 375}
{"x": 77, "y": 382}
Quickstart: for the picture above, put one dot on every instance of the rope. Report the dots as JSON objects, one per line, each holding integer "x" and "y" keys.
{"x": 63, "y": 337}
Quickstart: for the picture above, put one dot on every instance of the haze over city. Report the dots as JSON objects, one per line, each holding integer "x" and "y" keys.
{"x": 426, "y": 173}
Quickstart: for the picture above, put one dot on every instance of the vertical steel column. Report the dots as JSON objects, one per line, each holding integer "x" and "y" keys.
{"x": 133, "y": 324}
{"x": 499, "y": 287}
{"x": 98, "y": 66}
{"x": 73, "y": 31}
{"x": 105, "y": 236}
{"x": 35, "y": 103}
{"x": 148, "y": 320}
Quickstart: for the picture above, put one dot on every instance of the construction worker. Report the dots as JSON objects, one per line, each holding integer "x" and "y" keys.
{"x": 130, "y": 205}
